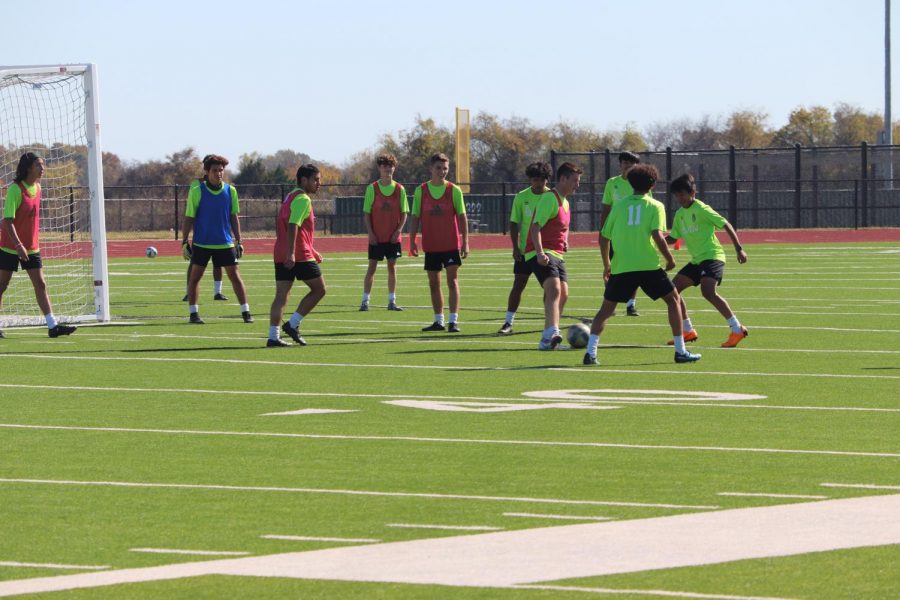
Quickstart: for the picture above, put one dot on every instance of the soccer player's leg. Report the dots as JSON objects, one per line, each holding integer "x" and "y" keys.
{"x": 714, "y": 271}
{"x": 433, "y": 267}
{"x": 187, "y": 283}
{"x": 686, "y": 278}
{"x": 36, "y": 273}
{"x": 549, "y": 277}
{"x": 392, "y": 280}
{"x": 375, "y": 256}
{"x": 607, "y": 310}
{"x": 283, "y": 286}
{"x": 521, "y": 273}
{"x": 217, "y": 283}
{"x": 657, "y": 285}
{"x": 453, "y": 297}
{"x": 199, "y": 261}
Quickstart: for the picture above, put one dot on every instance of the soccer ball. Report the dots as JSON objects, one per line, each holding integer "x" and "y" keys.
{"x": 578, "y": 335}
{"x": 151, "y": 252}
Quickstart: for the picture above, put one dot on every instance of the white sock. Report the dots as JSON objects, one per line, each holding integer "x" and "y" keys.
{"x": 454, "y": 317}
{"x": 679, "y": 344}
{"x": 217, "y": 287}
{"x": 273, "y": 332}
{"x": 366, "y": 297}
{"x": 734, "y": 324}
{"x": 630, "y": 303}
{"x": 194, "y": 308}
{"x": 245, "y": 308}
{"x": 550, "y": 332}
{"x": 593, "y": 342}
{"x": 392, "y": 297}
{"x": 51, "y": 320}
{"x": 510, "y": 316}
{"x": 295, "y": 320}
{"x": 439, "y": 318}
{"x": 688, "y": 326}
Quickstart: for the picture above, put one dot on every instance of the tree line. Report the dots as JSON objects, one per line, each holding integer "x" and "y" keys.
{"x": 500, "y": 147}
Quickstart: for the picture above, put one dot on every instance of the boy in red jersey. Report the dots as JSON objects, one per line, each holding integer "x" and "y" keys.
{"x": 439, "y": 206}
{"x": 19, "y": 237}
{"x": 295, "y": 257}
{"x": 385, "y": 207}
{"x": 548, "y": 240}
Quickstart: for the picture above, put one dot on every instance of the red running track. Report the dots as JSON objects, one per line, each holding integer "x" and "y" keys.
{"x": 359, "y": 243}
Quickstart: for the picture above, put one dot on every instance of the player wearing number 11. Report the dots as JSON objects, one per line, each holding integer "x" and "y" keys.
{"x": 635, "y": 226}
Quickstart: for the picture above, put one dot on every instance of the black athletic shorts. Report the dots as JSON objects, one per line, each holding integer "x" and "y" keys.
{"x": 556, "y": 268}
{"x": 11, "y": 262}
{"x": 621, "y": 287}
{"x": 386, "y": 250}
{"x": 707, "y": 268}
{"x": 520, "y": 267}
{"x": 435, "y": 261}
{"x": 302, "y": 271}
{"x": 221, "y": 257}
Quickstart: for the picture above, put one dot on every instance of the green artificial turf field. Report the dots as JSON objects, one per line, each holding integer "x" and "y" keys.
{"x": 125, "y": 443}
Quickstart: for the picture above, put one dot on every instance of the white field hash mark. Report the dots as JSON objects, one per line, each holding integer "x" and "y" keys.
{"x": 442, "y": 527}
{"x": 556, "y": 517}
{"x": 764, "y": 495}
{"x": 12, "y": 563}
{"x": 190, "y": 552}
{"x": 458, "y": 441}
{"x": 629, "y": 592}
{"x": 309, "y": 538}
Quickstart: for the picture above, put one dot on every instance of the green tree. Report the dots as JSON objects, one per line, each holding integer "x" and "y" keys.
{"x": 747, "y": 129}
{"x": 414, "y": 148}
{"x": 501, "y": 149}
{"x": 853, "y": 126}
{"x": 811, "y": 126}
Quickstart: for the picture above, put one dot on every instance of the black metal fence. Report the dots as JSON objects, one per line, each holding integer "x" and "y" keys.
{"x": 772, "y": 188}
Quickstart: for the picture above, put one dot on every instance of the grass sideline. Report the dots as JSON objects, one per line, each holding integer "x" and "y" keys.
{"x": 132, "y": 403}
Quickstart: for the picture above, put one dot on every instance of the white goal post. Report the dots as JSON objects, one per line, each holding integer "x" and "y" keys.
{"x": 53, "y": 110}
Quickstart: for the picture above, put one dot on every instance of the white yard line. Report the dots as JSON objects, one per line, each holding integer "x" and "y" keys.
{"x": 501, "y": 442}
{"x": 292, "y": 490}
{"x": 389, "y": 438}
{"x": 555, "y": 517}
{"x": 766, "y": 495}
{"x": 443, "y": 527}
{"x": 190, "y": 552}
{"x": 12, "y": 563}
{"x": 308, "y": 538}
{"x": 394, "y": 366}
{"x": 537, "y": 557}
{"x": 630, "y": 592}
{"x": 861, "y": 486}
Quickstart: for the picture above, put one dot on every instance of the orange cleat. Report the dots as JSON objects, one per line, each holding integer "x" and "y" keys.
{"x": 690, "y": 336}
{"x": 735, "y": 338}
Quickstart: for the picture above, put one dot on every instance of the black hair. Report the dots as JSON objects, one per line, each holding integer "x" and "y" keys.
{"x": 538, "y": 169}
{"x": 308, "y": 170}
{"x": 629, "y": 157}
{"x": 683, "y": 183}
{"x": 25, "y": 163}
{"x": 642, "y": 178}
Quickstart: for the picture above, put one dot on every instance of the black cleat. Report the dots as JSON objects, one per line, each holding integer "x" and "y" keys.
{"x": 555, "y": 341}
{"x": 453, "y": 328}
{"x": 364, "y": 307}
{"x": 185, "y": 299}
{"x": 393, "y": 306}
{"x": 61, "y": 330}
{"x": 434, "y": 327}
{"x": 2, "y": 335}
{"x": 270, "y": 343}
{"x": 196, "y": 320}
{"x": 632, "y": 311}
{"x": 220, "y": 297}
{"x": 293, "y": 332}
{"x": 505, "y": 329}
{"x": 686, "y": 357}
{"x": 589, "y": 360}
{"x": 248, "y": 318}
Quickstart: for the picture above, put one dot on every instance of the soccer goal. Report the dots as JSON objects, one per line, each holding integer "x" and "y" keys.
{"x": 53, "y": 110}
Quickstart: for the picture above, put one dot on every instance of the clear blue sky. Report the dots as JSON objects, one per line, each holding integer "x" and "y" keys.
{"x": 328, "y": 78}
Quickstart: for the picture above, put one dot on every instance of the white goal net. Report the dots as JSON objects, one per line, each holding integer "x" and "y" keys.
{"x": 52, "y": 111}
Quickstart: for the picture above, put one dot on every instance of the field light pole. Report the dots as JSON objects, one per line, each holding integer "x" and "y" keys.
{"x": 888, "y": 126}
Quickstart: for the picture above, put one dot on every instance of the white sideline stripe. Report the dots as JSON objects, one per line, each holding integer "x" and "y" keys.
{"x": 398, "y": 438}
{"x": 447, "y": 527}
{"x": 307, "y": 538}
{"x": 600, "y": 371}
{"x": 663, "y": 593}
{"x": 11, "y": 563}
{"x": 417, "y": 396}
{"x": 532, "y": 556}
{"x": 250, "y": 488}
{"x": 861, "y": 486}
{"x": 191, "y": 552}
{"x": 762, "y": 495}
{"x": 307, "y": 411}
{"x": 558, "y": 517}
